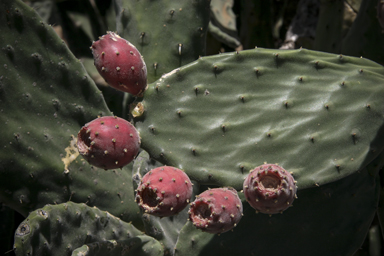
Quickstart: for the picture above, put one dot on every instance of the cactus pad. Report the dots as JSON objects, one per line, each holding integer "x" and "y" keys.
{"x": 34, "y": 235}
{"x": 46, "y": 96}
{"x": 317, "y": 114}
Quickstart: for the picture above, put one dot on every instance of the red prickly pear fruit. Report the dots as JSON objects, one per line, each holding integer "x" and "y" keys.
{"x": 216, "y": 210}
{"x": 120, "y": 63}
{"x": 108, "y": 142}
{"x": 269, "y": 189}
{"x": 164, "y": 191}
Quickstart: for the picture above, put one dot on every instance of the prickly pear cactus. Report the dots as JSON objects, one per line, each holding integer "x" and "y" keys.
{"x": 34, "y": 236}
{"x": 317, "y": 115}
{"x": 223, "y": 115}
{"x": 46, "y": 96}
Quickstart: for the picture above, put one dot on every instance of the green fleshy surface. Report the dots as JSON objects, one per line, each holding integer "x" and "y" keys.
{"x": 60, "y": 229}
{"x": 46, "y": 96}
{"x": 318, "y": 115}
{"x": 140, "y": 246}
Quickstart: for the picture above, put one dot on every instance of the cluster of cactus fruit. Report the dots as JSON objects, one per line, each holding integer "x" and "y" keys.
{"x": 224, "y": 143}
{"x": 112, "y": 142}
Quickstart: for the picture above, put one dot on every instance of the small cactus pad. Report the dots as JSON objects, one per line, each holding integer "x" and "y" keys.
{"x": 164, "y": 191}
{"x": 317, "y": 114}
{"x": 269, "y": 189}
{"x": 216, "y": 210}
{"x": 120, "y": 63}
{"x": 108, "y": 142}
{"x": 60, "y": 229}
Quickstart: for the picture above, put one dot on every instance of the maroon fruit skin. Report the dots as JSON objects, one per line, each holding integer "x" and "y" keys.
{"x": 164, "y": 191}
{"x": 216, "y": 210}
{"x": 120, "y": 63}
{"x": 269, "y": 189}
{"x": 108, "y": 142}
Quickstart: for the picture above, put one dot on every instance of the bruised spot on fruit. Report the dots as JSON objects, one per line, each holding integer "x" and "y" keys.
{"x": 84, "y": 142}
{"x": 148, "y": 198}
{"x": 270, "y": 181}
{"x": 200, "y": 211}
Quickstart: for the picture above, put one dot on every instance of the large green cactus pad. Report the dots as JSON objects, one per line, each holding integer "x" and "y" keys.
{"x": 46, "y": 96}
{"x": 318, "y": 115}
{"x": 60, "y": 229}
